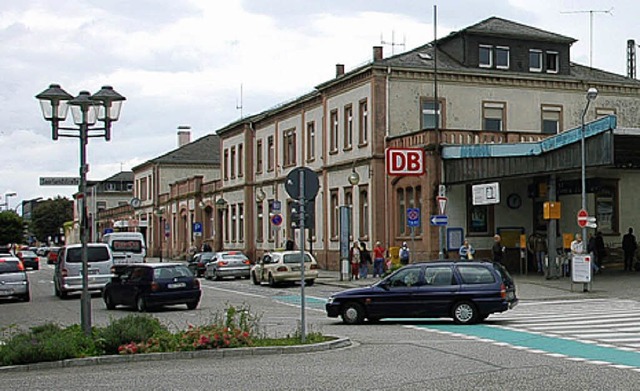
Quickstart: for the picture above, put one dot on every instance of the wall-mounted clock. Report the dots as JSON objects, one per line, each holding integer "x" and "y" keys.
{"x": 514, "y": 201}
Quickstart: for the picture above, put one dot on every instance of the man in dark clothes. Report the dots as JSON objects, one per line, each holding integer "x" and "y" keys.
{"x": 629, "y": 247}
{"x": 498, "y": 249}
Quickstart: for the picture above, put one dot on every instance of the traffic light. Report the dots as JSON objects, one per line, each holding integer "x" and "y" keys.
{"x": 309, "y": 215}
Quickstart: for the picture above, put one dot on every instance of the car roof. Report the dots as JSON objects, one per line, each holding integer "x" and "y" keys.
{"x": 88, "y": 245}
{"x": 156, "y": 265}
{"x": 453, "y": 262}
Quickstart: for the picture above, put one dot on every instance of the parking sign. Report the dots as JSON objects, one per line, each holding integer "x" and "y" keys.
{"x": 413, "y": 217}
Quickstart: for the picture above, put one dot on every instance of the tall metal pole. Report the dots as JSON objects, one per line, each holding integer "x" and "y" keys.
{"x": 591, "y": 95}
{"x": 85, "y": 305}
{"x": 303, "y": 326}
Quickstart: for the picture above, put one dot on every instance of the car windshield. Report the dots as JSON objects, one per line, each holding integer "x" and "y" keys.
{"x": 207, "y": 256}
{"x": 295, "y": 258}
{"x": 10, "y": 266}
{"x": 132, "y": 246}
{"x": 504, "y": 274}
{"x": 167, "y": 272}
{"x": 236, "y": 256}
{"x": 94, "y": 254}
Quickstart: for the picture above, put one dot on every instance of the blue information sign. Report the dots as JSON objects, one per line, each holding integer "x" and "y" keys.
{"x": 197, "y": 227}
{"x": 439, "y": 220}
{"x": 413, "y": 217}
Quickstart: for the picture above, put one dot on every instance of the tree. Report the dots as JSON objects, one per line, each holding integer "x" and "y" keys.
{"x": 11, "y": 227}
{"x": 49, "y": 216}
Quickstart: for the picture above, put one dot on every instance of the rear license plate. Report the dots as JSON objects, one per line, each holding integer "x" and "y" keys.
{"x": 176, "y": 285}
{"x": 6, "y": 292}
{"x": 295, "y": 268}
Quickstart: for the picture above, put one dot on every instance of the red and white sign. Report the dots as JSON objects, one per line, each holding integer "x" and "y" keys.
{"x": 405, "y": 161}
{"x": 583, "y": 218}
{"x": 442, "y": 204}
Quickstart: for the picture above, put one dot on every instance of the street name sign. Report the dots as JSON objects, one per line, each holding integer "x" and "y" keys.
{"x": 59, "y": 181}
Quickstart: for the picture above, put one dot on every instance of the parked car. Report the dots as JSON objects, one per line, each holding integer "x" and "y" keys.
{"x": 67, "y": 275}
{"x": 284, "y": 266}
{"x": 29, "y": 259}
{"x": 52, "y": 255}
{"x": 198, "y": 263}
{"x": 146, "y": 285}
{"x": 42, "y": 251}
{"x": 466, "y": 291}
{"x": 228, "y": 264}
{"x": 14, "y": 281}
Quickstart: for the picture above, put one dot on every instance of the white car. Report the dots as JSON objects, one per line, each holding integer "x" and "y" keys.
{"x": 284, "y": 266}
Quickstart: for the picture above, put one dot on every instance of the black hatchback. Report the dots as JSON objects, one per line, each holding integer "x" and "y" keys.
{"x": 147, "y": 285}
{"x": 466, "y": 291}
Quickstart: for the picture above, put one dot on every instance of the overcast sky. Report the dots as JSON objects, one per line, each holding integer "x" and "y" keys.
{"x": 183, "y": 62}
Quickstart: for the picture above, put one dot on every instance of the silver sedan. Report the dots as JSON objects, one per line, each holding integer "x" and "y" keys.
{"x": 228, "y": 264}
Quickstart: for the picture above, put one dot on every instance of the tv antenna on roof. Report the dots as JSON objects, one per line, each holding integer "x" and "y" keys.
{"x": 591, "y": 12}
{"x": 239, "y": 105}
{"x": 393, "y": 42}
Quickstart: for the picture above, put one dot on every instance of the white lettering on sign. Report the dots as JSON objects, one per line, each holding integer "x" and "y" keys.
{"x": 405, "y": 161}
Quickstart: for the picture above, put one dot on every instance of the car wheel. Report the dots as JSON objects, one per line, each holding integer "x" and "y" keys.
{"x": 192, "y": 305}
{"x": 309, "y": 282}
{"x": 272, "y": 281}
{"x": 254, "y": 279}
{"x": 464, "y": 312}
{"x": 108, "y": 301}
{"x": 215, "y": 275}
{"x": 352, "y": 313}
{"x": 141, "y": 304}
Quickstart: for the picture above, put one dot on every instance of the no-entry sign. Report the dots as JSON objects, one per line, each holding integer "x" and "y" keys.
{"x": 405, "y": 161}
{"x": 583, "y": 217}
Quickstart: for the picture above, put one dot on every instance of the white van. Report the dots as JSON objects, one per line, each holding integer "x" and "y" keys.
{"x": 127, "y": 247}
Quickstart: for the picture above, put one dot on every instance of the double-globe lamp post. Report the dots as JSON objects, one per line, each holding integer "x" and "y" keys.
{"x": 86, "y": 109}
{"x": 592, "y": 94}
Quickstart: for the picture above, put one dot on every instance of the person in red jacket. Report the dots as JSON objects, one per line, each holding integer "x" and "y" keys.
{"x": 378, "y": 260}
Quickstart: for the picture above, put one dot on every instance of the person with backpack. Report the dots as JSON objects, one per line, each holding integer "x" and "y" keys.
{"x": 404, "y": 254}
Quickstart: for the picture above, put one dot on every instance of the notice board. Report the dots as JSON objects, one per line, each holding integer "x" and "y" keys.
{"x": 580, "y": 268}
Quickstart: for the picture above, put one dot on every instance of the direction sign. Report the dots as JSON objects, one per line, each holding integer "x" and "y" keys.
{"x": 59, "y": 181}
{"x": 439, "y": 220}
{"x": 583, "y": 218}
{"x": 413, "y": 217}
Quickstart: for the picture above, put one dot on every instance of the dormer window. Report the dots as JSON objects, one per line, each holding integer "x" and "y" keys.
{"x": 552, "y": 62}
{"x": 535, "y": 60}
{"x": 502, "y": 57}
{"x": 485, "y": 59}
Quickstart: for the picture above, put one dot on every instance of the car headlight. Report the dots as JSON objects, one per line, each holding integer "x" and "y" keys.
{"x": 330, "y": 301}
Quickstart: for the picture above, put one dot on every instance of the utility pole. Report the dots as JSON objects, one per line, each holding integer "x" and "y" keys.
{"x": 591, "y": 12}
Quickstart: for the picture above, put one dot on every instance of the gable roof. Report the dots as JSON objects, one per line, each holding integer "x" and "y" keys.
{"x": 205, "y": 150}
{"x": 122, "y": 176}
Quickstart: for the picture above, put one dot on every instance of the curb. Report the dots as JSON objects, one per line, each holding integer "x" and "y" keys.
{"x": 338, "y": 343}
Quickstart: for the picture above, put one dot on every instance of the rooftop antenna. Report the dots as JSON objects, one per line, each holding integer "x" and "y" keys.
{"x": 393, "y": 42}
{"x": 239, "y": 105}
{"x": 591, "y": 12}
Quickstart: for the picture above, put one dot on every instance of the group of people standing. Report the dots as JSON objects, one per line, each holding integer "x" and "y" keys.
{"x": 360, "y": 258}
{"x": 467, "y": 251}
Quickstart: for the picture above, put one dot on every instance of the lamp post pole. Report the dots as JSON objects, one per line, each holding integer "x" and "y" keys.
{"x": 103, "y": 106}
{"x": 159, "y": 212}
{"x": 592, "y": 93}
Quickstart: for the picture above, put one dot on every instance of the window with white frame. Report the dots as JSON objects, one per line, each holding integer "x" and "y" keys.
{"x": 502, "y": 57}
{"x": 485, "y": 56}
{"x": 552, "y": 62}
{"x": 241, "y": 222}
{"x": 431, "y": 112}
{"x": 259, "y": 222}
{"x": 348, "y": 127}
{"x": 289, "y": 147}
{"x": 143, "y": 189}
{"x": 333, "y": 131}
{"x": 493, "y": 116}
{"x": 335, "y": 213}
{"x": 363, "y": 123}
{"x": 535, "y": 60}
{"x": 240, "y": 160}
{"x": 225, "y": 163}
{"x": 364, "y": 212}
{"x": 311, "y": 141}
{"x": 232, "y": 163}
{"x": 234, "y": 226}
{"x": 551, "y": 119}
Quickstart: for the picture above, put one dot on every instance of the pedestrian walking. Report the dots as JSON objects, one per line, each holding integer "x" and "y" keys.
{"x": 600, "y": 250}
{"x": 591, "y": 249}
{"x": 537, "y": 245}
{"x": 466, "y": 251}
{"x": 354, "y": 260}
{"x": 404, "y": 254}
{"x": 365, "y": 260}
{"x": 378, "y": 260}
{"x": 497, "y": 250}
{"x": 629, "y": 246}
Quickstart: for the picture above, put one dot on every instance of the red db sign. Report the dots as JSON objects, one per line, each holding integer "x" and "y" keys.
{"x": 405, "y": 161}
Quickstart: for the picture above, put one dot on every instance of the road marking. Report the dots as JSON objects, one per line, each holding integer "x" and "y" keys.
{"x": 236, "y": 292}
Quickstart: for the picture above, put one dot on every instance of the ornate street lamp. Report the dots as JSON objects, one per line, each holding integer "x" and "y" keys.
{"x": 86, "y": 109}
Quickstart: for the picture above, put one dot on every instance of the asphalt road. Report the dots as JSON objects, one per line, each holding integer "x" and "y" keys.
{"x": 386, "y": 356}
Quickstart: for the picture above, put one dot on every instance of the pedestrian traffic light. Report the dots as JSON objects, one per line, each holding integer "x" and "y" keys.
{"x": 309, "y": 215}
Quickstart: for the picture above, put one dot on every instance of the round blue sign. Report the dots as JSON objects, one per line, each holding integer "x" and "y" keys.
{"x": 276, "y": 219}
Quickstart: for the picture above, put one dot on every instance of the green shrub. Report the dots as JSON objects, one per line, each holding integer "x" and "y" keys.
{"x": 131, "y": 328}
{"x": 48, "y": 342}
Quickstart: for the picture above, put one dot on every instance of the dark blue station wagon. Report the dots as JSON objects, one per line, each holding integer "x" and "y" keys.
{"x": 467, "y": 291}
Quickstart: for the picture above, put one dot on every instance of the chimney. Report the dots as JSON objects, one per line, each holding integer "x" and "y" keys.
{"x": 184, "y": 135}
{"x": 339, "y": 70}
{"x": 377, "y": 53}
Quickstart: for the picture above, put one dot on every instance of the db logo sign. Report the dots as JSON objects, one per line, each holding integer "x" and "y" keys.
{"x": 405, "y": 161}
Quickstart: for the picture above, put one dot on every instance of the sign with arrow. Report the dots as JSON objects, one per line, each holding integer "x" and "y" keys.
{"x": 439, "y": 220}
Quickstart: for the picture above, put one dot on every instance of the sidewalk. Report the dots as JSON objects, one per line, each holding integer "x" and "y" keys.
{"x": 535, "y": 287}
